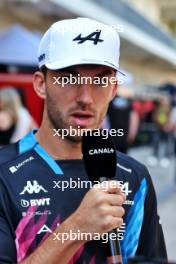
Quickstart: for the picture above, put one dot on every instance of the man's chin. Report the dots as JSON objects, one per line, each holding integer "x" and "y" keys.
{"x": 74, "y": 139}
{"x": 77, "y": 137}
{"x": 74, "y": 133}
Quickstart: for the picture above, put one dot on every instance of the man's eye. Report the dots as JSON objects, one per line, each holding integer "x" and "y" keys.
{"x": 68, "y": 80}
{"x": 66, "y": 77}
{"x": 69, "y": 77}
{"x": 99, "y": 82}
{"x": 102, "y": 81}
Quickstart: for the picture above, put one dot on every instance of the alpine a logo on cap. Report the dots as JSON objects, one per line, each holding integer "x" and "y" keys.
{"x": 94, "y": 36}
{"x": 101, "y": 151}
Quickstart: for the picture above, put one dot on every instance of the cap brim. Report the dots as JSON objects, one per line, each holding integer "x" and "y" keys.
{"x": 65, "y": 64}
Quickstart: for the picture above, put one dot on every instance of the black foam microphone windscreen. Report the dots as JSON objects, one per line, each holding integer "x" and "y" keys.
{"x": 99, "y": 155}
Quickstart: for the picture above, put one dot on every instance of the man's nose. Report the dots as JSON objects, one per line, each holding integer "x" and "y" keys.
{"x": 85, "y": 94}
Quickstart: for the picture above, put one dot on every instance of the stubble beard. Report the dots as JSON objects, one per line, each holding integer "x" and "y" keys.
{"x": 57, "y": 120}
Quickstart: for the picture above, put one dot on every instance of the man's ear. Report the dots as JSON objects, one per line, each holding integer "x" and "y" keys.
{"x": 39, "y": 84}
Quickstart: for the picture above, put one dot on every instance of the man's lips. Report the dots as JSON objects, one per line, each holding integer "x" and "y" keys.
{"x": 82, "y": 118}
{"x": 82, "y": 114}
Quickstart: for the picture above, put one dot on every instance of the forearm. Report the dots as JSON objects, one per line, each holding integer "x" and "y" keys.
{"x": 55, "y": 251}
{"x": 100, "y": 205}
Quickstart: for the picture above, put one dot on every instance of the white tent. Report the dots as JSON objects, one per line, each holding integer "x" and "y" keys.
{"x": 19, "y": 46}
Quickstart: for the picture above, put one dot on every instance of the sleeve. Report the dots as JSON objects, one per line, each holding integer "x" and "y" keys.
{"x": 151, "y": 242}
{"x": 7, "y": 241}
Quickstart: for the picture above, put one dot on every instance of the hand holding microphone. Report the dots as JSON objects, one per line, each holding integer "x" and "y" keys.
{"x": 101, "y": 209}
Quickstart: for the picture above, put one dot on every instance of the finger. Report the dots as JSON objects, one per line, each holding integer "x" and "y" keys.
{"x": 116, "y": 211}
{"x": 114, "y": 187}
{"x": 116, "y": 222}
{"x": 115, "y": 199}
{"x": 109, "y": 186}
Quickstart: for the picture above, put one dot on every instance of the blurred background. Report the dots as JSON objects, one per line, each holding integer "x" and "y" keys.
{"x": 145, "y": 106}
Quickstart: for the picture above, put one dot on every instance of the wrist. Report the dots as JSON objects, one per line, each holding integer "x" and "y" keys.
{"x": 72, "y": 228}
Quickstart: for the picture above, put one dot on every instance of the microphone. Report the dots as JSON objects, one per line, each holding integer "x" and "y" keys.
{"x": 99, "y": 156}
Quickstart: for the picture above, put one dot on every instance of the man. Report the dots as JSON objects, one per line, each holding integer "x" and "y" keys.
{"x": 34, "y": 211}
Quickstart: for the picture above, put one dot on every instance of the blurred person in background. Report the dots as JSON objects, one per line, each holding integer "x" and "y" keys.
{"x": 121, "y": 115}
{"x": 15, "y": 120}
{"x": 162, "y": 138}
{"x": 137, "y": 105}
{"x": 173, "y": 124}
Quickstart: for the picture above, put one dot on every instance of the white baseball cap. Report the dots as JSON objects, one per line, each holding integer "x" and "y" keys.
{"x": 79, "y": 41}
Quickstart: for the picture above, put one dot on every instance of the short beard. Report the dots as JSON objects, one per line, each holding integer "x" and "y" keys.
{"x": 57, "y": 121}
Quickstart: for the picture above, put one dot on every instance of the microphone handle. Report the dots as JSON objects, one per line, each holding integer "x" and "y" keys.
{"x": 114, "y": 256}
{"x": 114, "y": 250}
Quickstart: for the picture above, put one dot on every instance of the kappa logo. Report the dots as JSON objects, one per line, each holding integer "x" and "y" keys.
{"x": 33, "y": 188}
{"x": 15, "y": 168}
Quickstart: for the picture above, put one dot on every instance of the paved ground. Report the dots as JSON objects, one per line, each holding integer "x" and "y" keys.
{"x": 165, "y": 185}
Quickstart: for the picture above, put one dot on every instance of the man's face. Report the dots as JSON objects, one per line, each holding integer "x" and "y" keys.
{"x": 78, "y": 105}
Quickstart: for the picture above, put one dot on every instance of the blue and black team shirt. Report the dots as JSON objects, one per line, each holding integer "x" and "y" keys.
{"x": 33, "y": 204}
